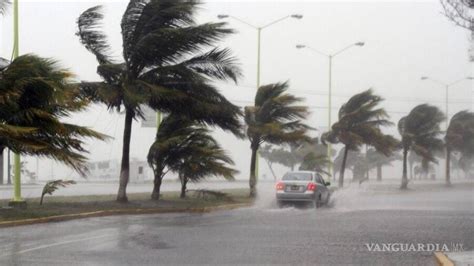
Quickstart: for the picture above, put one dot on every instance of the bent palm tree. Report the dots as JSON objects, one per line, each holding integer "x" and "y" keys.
{"x": 35, "y": 94}
{"x": 273, "y": 119}
{"x": 360, "y": 122}
{"x": 459, "y": 138}
{"x": 187, "y": 148}
{"x": 420, "y": 132}
{"x": 166, "y": 65}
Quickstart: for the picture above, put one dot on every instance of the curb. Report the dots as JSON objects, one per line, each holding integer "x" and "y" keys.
{"x": 442, "y": 259}
{"x": 67, "y": 217}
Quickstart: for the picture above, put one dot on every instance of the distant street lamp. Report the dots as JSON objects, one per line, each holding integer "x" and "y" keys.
{"x": 330, "y": 57}
{"x": 259, "y": 30}
{"x": 447, "y": 86}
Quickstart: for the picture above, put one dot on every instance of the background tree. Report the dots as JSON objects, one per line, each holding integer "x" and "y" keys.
{"x": 274, "y": 119}
{"x": 203, "y": 157}
{"x": 359, "y": 123}
{"x": 187, "y": 148}
{"x": 459, "y": 138}
{"x": 420, "y": 132}
{"x": 377, "y": 160}
{"x": 168, "y": 63}
{"x": 35, "y": 95}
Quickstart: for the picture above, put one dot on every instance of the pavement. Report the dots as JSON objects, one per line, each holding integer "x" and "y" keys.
{"x": 342, "y": 233}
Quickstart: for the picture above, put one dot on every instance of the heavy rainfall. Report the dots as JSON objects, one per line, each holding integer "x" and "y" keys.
{"x": 156, "y": 132}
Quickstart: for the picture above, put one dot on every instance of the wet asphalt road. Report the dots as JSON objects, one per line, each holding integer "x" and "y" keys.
{"x": 263, "y": 234}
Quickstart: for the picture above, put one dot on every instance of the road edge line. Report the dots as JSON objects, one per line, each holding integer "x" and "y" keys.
{"x": 442, "y": 259}
{"x": 74, "y": 216}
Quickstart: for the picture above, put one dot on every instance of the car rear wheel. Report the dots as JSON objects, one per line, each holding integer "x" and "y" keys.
{"x": 317, "y": 202}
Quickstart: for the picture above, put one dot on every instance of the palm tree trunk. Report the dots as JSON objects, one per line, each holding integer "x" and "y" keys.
{"x": 253, "y": 178}
{"x": 271, "y": 169}
{"x": 448, "y": 166}
{"x": 379, "y": 172}
{"x": 411, "y": 170}
{"x": 184, "y": 181}
{"x": 155, "y": 195}
{"x": 343, "y": 167}
{"x": 125, "y": 166}
{"x": 404, "y": 177}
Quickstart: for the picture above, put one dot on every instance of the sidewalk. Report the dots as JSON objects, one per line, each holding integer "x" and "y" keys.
{"x": 461, "y": 258}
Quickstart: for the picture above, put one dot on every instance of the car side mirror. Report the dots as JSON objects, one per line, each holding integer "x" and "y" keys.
{"x": 327, "y": 183}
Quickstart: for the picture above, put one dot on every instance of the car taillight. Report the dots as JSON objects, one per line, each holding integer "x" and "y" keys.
{"x": 280, "y": 186}
{"x": 311, "y": 187}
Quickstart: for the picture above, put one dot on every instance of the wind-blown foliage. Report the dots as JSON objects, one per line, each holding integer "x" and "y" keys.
{"x": 4, "y": 5}
{"x": 54, "y": 185}
{"x": 420, "y": 132}
{"x": 35, "y": 95}
{"x": 274, "y": 119}
{"x": 360, "y": 122}
{"x": 187, "y": 148}
{"x": 459, "y": 138}
{"x": 168, "y": 64}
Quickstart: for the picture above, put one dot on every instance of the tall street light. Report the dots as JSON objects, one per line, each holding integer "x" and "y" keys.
{"x": 259, "y": 31}
{"x": 447, "y": 86}
{"x": 17, "y": 201}
{"x": 330, "y": 57}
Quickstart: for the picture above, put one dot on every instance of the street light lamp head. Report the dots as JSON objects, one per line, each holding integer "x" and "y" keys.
{"x": 424, "y": 78}
{"x": 359, "y": 43}
{"x": 297, "y": 16}
{"x": 300, "y": 46}
{"x": 222, "y": 16}
{"x": 471, "y": 78}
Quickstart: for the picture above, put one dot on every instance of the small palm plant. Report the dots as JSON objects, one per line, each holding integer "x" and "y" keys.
{"x": 187, "y": 148}
{"x": 274, "y": 119}
{"x": 168, "y": 64}
{"x": 203, "y": 158}
{"x": 360, "y": 122}
{"x": 420, "y": 132}
{"x": 52, "y": 186}
{"x": 459, "y": 138}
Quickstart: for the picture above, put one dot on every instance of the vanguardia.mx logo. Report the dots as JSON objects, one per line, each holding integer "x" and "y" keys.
{"x": 414, "y": 247}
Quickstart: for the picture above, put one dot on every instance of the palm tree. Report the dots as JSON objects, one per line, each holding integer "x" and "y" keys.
{"x": 378, "y": 160}
{"x": 459, "y": 138}
{"x": 315, "y": 162}
{"x": 185, "y": 147}
{"x": 420, "y": 132}
{"x": 203, "y": 158}
{"x": 35, "y": 95}
{"x": 168, "y": 64}
{"x": 360, "y": 120}
{"x": 274, "y": 119}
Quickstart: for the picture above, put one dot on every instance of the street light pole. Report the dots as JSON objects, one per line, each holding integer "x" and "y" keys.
{"x": 17, "y": 201}
{"x": 446, "y": 97}
{"x": 330, "y": 57}
{"x": 259, "y": 32}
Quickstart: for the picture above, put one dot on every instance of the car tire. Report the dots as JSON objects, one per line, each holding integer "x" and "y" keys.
{"x": 280, "y": 204}
{"x": 317, "y": 202}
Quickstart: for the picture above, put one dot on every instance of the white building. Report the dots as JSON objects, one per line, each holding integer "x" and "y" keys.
{"x": 110, "y": 170}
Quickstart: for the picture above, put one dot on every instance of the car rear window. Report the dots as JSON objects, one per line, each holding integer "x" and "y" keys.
{"x": 297, "y": 176}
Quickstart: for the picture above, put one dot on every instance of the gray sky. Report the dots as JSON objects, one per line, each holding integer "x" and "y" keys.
{"x": 404, "y": 41}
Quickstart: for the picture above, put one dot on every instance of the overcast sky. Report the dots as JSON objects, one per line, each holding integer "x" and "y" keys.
{"x": 404, "y": 40}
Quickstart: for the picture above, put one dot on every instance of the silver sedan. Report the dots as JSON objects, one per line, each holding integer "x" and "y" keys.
{"x": 302, "y": 186}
